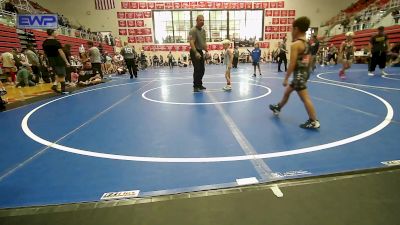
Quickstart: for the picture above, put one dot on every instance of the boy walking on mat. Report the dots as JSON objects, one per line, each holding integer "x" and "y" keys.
{"x": 300, "y": 62}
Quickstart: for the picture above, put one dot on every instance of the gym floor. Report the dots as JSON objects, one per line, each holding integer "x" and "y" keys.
{"x": 153, "y": 134}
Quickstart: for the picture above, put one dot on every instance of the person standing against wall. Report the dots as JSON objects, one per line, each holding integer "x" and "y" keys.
{"x": 170, "y": 60}
{"x": 235, "y": 57}
{"x": 197, "y": 37}
{"x": 282, "y": 55}
{"x": 379, "y": 46}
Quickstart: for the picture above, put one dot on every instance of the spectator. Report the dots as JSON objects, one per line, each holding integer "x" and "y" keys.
{"x": 95, "y": 58}
{"x": 2, "y": 92}
{"x": 9, "y": 7}
{"x": 17, "y": 60}
{"x": 314, "y": 44}
{"x": 161, "y": 60}
{"x": 33, "y": 60}
{"x": 67, "y": 52}
{"x": 235, "y": 57}
{"x": 24, "y": 76}
{"x": 255, "y": 57}
{"x": 396, "y": 16}
{"x": 112, "y": 43}
{"x": 170, "y": 60}
{"x": 379, "y": 44}
{"x": 156, "y": 61}
{"x": 107, "y": 40}
{"x": 8, "y": 65}
{"x": 57, "y": 60}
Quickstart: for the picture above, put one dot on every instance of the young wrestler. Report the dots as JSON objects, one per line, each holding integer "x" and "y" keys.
{"x": 255, "y": 56}
{"x": 346, "y": 53}
{"x": 300, "y": 62}
{"x": 228, "y": 60}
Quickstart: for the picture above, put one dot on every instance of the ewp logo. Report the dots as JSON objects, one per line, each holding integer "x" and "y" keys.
{"x": 37, "y": 21}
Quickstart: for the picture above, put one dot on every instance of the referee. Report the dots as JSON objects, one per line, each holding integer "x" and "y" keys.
{"x": 197, "y": 37}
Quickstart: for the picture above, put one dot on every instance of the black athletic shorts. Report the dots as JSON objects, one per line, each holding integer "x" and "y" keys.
{"x": 60, "y": 71}
{"x": 299, "y": 82}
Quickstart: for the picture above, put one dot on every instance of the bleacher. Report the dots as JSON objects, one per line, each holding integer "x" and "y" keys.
{"x": 8, "y": 38}
{"x": 362, "y": 38}
{"x": 75, "y": 43}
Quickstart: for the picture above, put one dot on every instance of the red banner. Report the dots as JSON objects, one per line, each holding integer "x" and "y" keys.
{"x": 258, "y": 5}
{"x": 142, "y": 5}
{"x": 275, "y": 21}
{"x": 131, "y": 23}
{"x": 219, "y": 5}
{"x": 193, "y": 5}
{"x": 151, "y": 5}
{"x": 140, "y": 23}
{"x": 280, "y": 5}
{"x": 282, "y": 29}
{"x": 264, "y": 44}
{"x": 275, "y": 29}
{"x": 249, "y": 5}
{"x": 133, "y": 5}
{"x": 283, "y": 20}
{"x": 120, "y": 15}
{"x": 146, "y": 31}
{"x": 123, "y": 32}
{"x": 265, "y": 5}
{"x": 148, "y": 39}
{"x": 131, "y": 39}
{"x": 284, "y": 13}
{"x": 211, "y": 5}
{"x": 290, "y": 20}
{"x": 177, "y": 5}
{"x": 122, "y": 23}
{"x": 147, "y": 14}
{"x": 130, "y": 15}
{"x": 159, "y": 5}
{"x": 140, "y": 39}
{"x": 201, "y": 5}
{"x": 186, "y": 5}
{"x": 242, "y": 5}
{"x": 132, "y": 31}
{"x": 272, "y": 5}
{"x": 125, "y": 5}
{"x": 268, "y": 12}
{"x": 169, "y": 5}
{"x": 276, "y": 13}
{"x": 146, "y": 47}
{"x": 139, "y": 15}
{"x": 292, "y": 12}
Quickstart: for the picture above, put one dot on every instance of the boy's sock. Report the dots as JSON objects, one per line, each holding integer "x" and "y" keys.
{"x": 63, "y": 86}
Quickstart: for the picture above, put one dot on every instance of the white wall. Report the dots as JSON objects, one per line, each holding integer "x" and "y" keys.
{"x": 83, "y": 12}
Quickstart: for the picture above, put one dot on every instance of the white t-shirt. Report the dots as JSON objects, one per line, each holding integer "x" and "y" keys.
{"x": 8, "y": 60}
{"x": 94, "y": 54}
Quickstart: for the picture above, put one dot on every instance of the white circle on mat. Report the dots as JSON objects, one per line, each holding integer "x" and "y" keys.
{"x": 205, "y": 103}
{"x": 386, "y": 121}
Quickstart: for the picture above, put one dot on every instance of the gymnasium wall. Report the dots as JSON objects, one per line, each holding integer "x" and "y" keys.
{"x": 83, "y": 12}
